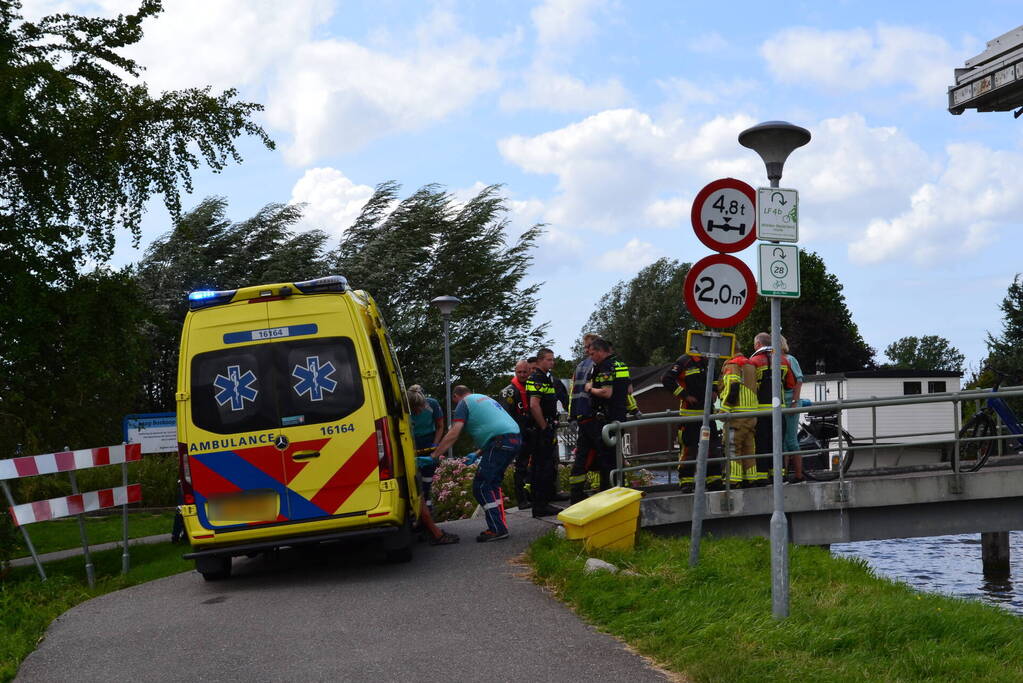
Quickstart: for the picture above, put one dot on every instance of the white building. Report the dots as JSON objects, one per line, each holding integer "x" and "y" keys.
{"x": 892, "y": 421}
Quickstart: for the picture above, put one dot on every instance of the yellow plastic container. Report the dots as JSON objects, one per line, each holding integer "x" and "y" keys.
{"x": 608, "y": 519}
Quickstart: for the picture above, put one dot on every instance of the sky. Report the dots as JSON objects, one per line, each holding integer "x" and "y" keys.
{"x": 603, "y": 119}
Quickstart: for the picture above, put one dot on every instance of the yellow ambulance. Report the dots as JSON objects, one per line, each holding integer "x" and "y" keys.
{"x": 293, "y": 426}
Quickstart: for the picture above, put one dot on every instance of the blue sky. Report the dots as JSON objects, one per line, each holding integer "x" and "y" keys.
{"x": 604, "y": 118}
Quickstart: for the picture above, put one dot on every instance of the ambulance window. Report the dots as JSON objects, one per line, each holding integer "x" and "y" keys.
{"x": 320, "y": 380}
{"x": 232, "y": 390}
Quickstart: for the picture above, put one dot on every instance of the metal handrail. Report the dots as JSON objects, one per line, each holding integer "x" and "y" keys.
{"x": 611, "y": 432}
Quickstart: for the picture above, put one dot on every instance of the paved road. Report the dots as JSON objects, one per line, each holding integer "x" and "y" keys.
{"x": 455, "y": 613}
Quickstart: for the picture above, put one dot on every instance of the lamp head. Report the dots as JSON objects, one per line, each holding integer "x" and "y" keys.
{"x": 446, "y": 304}
{"x": 774, "y": 141}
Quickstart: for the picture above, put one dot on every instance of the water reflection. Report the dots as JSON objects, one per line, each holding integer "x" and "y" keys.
{"x": 944, "y": 564}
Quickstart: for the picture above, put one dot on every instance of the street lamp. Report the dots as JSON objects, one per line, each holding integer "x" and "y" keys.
{"x": 774, "y": 141}
{"x": 447, "y": 304}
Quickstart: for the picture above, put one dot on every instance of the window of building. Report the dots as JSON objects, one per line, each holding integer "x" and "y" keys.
{"x": 936, "y": 388}
{"x": 910, "y": 388}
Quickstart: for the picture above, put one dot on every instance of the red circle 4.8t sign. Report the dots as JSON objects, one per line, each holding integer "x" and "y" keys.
{"x": 720, "y": 291}
{"x": 724, "y": 215}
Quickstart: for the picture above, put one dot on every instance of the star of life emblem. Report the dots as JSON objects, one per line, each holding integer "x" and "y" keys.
{"x": 314, "y": 379}
{"x": 236, "y": 388}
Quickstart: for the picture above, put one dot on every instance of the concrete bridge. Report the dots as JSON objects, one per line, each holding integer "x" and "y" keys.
{"x": 862, "y": 508}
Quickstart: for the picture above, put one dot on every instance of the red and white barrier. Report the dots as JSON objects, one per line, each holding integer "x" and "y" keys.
{"x": 68, "y": 506}
{"x": 65, "y": 461}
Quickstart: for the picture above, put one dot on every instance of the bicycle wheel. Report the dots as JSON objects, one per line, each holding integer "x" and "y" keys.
{"x": 820, "y": 464}
{"x": 973, "y": 454}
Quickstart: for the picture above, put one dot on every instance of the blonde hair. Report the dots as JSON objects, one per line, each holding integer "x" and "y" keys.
{"x": 416, "y": 399}
{"x": 784, "y": 343}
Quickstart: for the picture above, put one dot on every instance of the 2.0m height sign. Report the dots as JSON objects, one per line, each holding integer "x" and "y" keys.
{"x": 720, "y": 291}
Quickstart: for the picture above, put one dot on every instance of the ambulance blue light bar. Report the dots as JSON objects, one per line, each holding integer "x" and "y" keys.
{"x": 330, "y": 283}
{"x": 204, "y": 298}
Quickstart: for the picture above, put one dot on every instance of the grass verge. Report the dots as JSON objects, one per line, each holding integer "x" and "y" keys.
{"x": 713, "y": 622}
{"x": 62, "y": 534}
{"x": 28, "y": 605}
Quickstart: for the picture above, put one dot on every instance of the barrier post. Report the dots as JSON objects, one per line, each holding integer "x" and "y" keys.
{"x": 90, "y": 571}
{"x": 125, "y": 560}
{"x": 24, "y": 532}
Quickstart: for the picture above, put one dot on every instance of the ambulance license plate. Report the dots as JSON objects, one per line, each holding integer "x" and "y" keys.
{"x": 251, "y": 507}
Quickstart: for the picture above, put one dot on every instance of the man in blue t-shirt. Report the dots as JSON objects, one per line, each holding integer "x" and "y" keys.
{"x": 497, "y": 437}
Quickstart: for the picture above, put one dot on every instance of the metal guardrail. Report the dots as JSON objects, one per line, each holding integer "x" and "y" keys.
{"x": 612, "y": 432}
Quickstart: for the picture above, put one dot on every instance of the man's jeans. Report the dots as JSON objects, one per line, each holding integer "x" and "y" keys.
{"x": 495, "y": 457}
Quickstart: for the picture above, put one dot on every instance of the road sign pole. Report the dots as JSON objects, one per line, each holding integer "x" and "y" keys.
{"x": 779, "y": 523}
{"x": 699, "y": 490}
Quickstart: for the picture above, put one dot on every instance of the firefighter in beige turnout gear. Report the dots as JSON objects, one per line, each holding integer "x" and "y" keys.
{"x": 739, "y": 395}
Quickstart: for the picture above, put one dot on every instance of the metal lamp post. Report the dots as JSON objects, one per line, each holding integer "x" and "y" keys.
{"x": 447, "y": 304}
{"x": 774, "y": 141}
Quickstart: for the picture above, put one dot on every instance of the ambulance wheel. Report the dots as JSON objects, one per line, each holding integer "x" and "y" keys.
{"x": 214, "y": 568}
{"x": 398, "y": 547}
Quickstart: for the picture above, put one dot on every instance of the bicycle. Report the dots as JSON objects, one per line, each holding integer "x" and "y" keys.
{"x": 815, "y": 436}
{"x": 980, "y": 429}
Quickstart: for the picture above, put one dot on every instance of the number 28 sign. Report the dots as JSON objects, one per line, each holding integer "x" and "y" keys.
{"x": 720, "y": 291}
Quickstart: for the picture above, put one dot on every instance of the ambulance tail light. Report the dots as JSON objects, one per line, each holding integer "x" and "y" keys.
{"x": 384, "y": 459}
{"x": 185, "y": 475}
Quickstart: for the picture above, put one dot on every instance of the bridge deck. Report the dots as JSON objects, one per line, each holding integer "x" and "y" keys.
{"x": 859, "y": 509}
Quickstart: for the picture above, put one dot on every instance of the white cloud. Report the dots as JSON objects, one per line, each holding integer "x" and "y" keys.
{"x": 544, "y": 89}
{"x": 332, "y": 201}
{"x": 561, "y": 27}
{"x": 630, "y": 258}
{"x": 614, "y": 168}
{"x": 979, "y": 191}
{"x": 668, "y": 213}
{"x": 336, "y": 95}
{"x": 684, "y": 92}
{"x": 858, "y": 59}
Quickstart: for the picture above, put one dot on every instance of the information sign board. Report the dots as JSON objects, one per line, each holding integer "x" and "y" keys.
{"x": 779, "y": 270}
{"x": 777, "y": 214}
{"x": 157, "y": 432}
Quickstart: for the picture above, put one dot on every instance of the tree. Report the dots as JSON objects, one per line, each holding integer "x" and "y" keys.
{"x": 817, "y": 325}
{"x": 76, "y": 366}
{"x": 645, "y": 318}
{"x": 205, "y": 250}
{"x": 406, "y": 252}
{"x": 1005, "y": 352}
{"x": 930, "y": 352}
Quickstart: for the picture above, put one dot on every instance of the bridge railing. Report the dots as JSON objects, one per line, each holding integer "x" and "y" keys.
{"x": 668, "y": 459}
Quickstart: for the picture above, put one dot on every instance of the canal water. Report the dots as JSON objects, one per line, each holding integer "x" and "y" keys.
{"x": 944, "y": 564}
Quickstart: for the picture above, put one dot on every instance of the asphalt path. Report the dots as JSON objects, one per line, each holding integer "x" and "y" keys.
{"x": 455, "y": 613}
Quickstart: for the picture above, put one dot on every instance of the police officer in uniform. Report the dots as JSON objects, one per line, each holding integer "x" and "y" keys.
{"x": 608, "y": 389}
{"x": 514, "y": 400}
{"x": 687, "y": 379}
{"x": 543, "y": 406}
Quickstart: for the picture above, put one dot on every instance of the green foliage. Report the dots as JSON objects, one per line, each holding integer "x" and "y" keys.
{"x": 713, "y": 622}
{"x": 645, "y": 318}
{"x": 1005, "y": 352}
{"x": 817, "y": 325}
{"x": 28, "y": 605}
{"x": 8, "y": 541}
{"x": 930, "y": 352}
{"x": 83, "y": 148}
{"x": 73, "y": 362}
{"x": 206, "y": 250}
{"x": 407, "y": 252}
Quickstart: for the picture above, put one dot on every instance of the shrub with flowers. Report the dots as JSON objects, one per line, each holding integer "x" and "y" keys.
{"x": 452, "y": 490}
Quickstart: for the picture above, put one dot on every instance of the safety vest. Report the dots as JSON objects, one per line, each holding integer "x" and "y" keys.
{"x": 736, "y": 397}
{"x": 762, "y": 360}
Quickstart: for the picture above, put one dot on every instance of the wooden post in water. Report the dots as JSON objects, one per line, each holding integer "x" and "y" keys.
{"x": 994, "y": 549}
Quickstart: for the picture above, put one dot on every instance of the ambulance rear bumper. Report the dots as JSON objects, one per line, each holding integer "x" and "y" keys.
{"x": 385, "y": 532}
